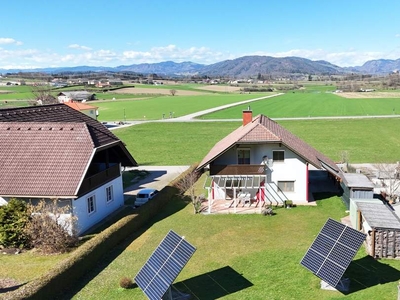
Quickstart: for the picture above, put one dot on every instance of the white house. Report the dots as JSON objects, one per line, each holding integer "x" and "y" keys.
{"x": 89, "y": 110}
{"x": 75, "y": 96}
{"x": 56, "y": 152}
{"x": 264, "y": 161}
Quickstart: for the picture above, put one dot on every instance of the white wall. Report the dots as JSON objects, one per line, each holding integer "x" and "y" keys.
{"x": 102, "y": 208}
{"x": 292, "y": 169}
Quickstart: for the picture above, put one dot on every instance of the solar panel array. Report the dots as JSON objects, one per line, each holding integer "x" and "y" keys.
{"x": 164, "y": 265}
{"x": 332, "y": 251}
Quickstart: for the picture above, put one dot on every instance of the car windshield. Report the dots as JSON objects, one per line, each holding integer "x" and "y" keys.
{"x": 142, "y": 196}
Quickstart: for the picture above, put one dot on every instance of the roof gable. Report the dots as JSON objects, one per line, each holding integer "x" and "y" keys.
{"x": 264, "y": 130}
{"x": 43, "y": 159}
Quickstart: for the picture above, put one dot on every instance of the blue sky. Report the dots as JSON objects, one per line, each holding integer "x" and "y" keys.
{"x": 42, "y": 33}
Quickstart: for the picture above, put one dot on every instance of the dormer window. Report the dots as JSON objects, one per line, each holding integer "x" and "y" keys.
{"x": 278, "y": 156}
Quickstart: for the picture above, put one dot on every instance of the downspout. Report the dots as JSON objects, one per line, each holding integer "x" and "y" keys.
{"x": 307, "y": 183}
{"x": 373, "y": 243}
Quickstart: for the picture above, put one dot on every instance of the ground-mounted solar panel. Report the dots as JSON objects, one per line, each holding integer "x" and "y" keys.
{"x": 164, "y": 265}
{"x": 332, "y": 251}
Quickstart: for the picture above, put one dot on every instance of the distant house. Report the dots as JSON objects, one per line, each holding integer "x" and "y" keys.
{"x": 89, "y": 110}
{"x": 56, "y": 152}
{"x": 266, "y": 162}
{"x": 75, "y": 96}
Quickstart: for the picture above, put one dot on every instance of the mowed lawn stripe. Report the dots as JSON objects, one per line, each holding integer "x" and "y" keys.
{"x": 299, "y": 104}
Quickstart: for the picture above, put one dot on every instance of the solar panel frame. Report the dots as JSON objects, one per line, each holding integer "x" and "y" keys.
{"x": 164, "y": 265}
{"x": 332, "y": 251}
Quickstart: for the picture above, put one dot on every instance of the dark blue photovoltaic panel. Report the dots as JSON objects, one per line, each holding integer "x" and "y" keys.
{"x": 164, "y": 265}
{"x": 352, "y": 238}
{"x": 333, "y": 229}
{"x": 313, "y": 260}
{"x": 332, "y": 251}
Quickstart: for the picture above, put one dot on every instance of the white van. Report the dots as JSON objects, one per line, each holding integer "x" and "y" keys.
{"x": 145, "y": 195}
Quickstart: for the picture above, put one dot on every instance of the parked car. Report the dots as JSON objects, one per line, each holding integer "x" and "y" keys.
{"x": 145, "y": 195}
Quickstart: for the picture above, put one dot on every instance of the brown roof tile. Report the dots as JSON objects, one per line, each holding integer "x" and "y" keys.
{"x": 264, "y": 130}
{"x": 43, "y": 159}
{"x": 100, "y": 134}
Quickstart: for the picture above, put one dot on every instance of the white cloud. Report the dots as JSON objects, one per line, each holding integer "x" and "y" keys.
{"x": 34, "y": 58}
{"x": 8, "y": 41}
{"x": 172, "y": 52}
{"x": 76, "y": 46}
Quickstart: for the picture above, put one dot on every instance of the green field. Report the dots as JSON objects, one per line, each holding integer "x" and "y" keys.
{"x": 317, "y": 104}
{"x": 154, "y": 108}
{"x": 183, "y": 143}
{"x": 241, "y": 257}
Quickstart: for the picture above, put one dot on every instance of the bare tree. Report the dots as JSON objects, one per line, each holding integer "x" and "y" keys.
{"x": 172, "y": 92}
{"x": 186, "y": 187}
{"x": 389, "y": 176}
{"x": 51, "y": 227}
{"x": 43, "y": 94}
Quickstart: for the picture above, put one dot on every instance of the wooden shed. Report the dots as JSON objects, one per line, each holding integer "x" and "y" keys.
{"x": 381, "y": 224}
{"x": 356, "y": 186}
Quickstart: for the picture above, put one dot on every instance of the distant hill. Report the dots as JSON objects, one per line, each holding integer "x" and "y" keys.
{"x": 380, "y": 66}
{"x": 252, "y": 65}
{"x": 241, "y": 67}
{"x": 164, "y": 68}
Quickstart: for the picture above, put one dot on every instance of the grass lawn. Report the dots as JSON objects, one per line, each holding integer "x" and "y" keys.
{"x": 27, "y": 266}
{"x": 155, "y": 107}
{"x": 312, "y": 104}
{"x": 247, "y": 256}
{"x": 366, "y": 140}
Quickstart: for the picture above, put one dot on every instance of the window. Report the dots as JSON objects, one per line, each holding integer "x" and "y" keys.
{"x": 243, "y": 156}
{"x": 109, "y": 194}
{"x": 278, "y": 155}
{"x": 91, "y": 203}
{"x": 286, "y": 186}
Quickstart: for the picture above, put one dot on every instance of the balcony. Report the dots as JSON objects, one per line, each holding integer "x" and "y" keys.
{"x": 98, "y": 179}
{"x": 237, "y": 169}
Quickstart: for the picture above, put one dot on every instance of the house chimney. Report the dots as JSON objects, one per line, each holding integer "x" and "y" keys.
{"x": 247, "y": 116}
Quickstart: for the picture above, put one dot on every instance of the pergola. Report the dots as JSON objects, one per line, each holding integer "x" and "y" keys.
{"x": 234, "y": 184}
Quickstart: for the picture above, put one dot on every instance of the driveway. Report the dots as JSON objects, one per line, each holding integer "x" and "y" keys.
{"x": 158, "y": 178}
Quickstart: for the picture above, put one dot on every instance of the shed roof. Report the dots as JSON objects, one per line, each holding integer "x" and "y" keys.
{"x": 357, "y": 180}
{"x": 378, "y": 215}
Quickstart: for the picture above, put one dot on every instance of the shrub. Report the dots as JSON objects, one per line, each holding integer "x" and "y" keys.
{"x": 13, "y": 219}
{"x": 126, "y": 283}
{"x": 49, "y": 228}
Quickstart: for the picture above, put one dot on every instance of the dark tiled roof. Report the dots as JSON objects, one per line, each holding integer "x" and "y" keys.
{"x": 100, "y": 134}
{"x": 264, "y": 130}
{"x": 43, "y": 159}
{"x": 59, "y": 113}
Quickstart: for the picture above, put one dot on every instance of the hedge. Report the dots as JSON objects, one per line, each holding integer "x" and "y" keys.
{"x": 66, "y": 274}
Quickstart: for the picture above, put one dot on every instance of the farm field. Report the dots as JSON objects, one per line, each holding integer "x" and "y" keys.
{"x": 242, "y": 257}
{"x": 154, "y": 108}
{"x": 183, "y": 143}
{"x": 291, "y": 105}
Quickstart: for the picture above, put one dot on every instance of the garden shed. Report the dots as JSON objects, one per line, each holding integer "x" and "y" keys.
{"x": 356, "y": 186}
{"x": 381, "y": 224}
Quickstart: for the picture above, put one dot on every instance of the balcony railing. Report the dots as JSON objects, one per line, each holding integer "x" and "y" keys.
{"x": 99, "y": 179}
{"x": 237, "y": 169}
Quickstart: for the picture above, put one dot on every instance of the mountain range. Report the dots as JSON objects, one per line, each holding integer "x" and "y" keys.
{"x": 241, "y": 67}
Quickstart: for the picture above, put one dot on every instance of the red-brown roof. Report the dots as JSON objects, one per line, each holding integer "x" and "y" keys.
{"x": 43, "y": 159}
{"x": 80, "y": 106}
{"x": 100, "y": 135}
{"x": 264, "y": 130}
